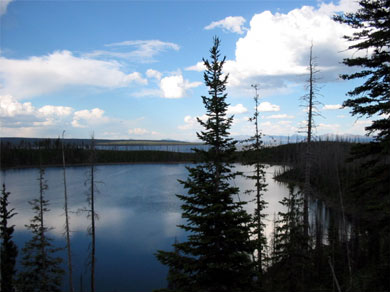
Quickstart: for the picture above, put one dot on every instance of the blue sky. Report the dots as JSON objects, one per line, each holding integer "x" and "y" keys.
{"x": 132, "y": 69}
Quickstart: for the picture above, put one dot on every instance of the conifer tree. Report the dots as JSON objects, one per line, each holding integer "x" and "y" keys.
{"x": 253, "y": 150}
{"x": 290, "y": 243}
{"x": 9, "y": 250}
{"x": 41, "y": 270}
{"x": 372, "y": 38}
{"x": 370, "y": 44}
{"x": 216, "y": 255}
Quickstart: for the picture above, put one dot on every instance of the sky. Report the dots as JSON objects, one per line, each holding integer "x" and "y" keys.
{"x": 133, "y": 69}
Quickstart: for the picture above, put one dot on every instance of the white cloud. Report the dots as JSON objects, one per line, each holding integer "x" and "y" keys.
{"x": 175, "y": 86}
{"x": 281, "y": 116}
{"x": 231, "y": 23}
{"x": 346, "y": 6}
{"x": 280, "y": 128}
{"x": 141, "y": 132}
{"x": 236, "y": 109}
{"x": 14, "y": 114}
{"x": 10, "y": 107}
{"x": 332, "y": 107}
{"x": 50, "y": 110}
{"x": 150, "y": 73}
{"x": 199, "y": 67}
{"x": 45, "y": 74}
{"x": 85, "y": 118}
{"x": 275, "y": 49}
{"x": 268, "y": 107}
{"x": 3, "y": 6}
{"x": 191, "y": 123}
{"x": 144, "y": 49}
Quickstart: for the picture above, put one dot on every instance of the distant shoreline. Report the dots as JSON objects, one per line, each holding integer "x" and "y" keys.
{"x": 89, "y": 164}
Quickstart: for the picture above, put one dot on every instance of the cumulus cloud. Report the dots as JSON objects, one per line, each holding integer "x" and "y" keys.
{"x": 233, "y": 24}
{"x": 275, "y": 49}
{"x": 332, "y": 107}
{"x": 3, "y": 6}
{"x": 45, "y": 74}
{"x": 236, "y": 109}
{"x": 191, "y": 123}
{"x": 14, "y": 114}
{"x": 199, "y": 67}
{"x": 86, "y": 118}
{"x": 176, "y": 86}
{"x": 150, "y": 73}
{"x": 268, "y": 107}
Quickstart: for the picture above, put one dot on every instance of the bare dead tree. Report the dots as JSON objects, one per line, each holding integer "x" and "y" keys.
{"x": 310, "y": 103}
{"x": 67, "y": 228}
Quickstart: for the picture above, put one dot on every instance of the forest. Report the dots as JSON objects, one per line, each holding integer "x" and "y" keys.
{"x": 226, "y": 248}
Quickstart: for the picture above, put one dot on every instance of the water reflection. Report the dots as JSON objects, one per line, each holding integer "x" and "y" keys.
{"x": 138, "y": 213}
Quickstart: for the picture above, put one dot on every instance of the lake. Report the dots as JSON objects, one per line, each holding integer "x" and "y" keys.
{"x": 138, "y": 213}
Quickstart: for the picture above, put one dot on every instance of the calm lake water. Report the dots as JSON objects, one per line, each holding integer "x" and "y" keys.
{"x": 138, "y": 213}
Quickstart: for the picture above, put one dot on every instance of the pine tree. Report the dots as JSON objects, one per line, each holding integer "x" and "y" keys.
{"x": 372, "y": 100}
{"x": 9, "y": 250}
{"x": 290, "y": 243}
{"x": 252, "y": 150}
{"x": 216, "y": 255}
{"x": 372, "y": 38}
{"x": 41, "y": 270}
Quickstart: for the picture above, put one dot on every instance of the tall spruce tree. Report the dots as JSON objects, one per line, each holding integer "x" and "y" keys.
{"x": 216, "y": 255}
{"x": 290, "y": 244}
{"x": 9, "y": 250}
{"x": 253, "y": 151}
{"x": 372, "y": 39}
{"x": 41, "y": 270}
{"x": 371, "y": 46}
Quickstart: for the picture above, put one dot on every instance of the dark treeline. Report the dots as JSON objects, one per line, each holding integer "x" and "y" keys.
{"x": 50, "y": 153}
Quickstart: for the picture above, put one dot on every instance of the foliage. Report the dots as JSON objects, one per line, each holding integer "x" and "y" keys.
{"x": 215, "y": 256}
{"x": 41, "y": 270}
{"x": 252, "y": 151}
{"x": 9, "y": 250}
{"x": 289, "y": 257}
{"x": 372, "y": 40}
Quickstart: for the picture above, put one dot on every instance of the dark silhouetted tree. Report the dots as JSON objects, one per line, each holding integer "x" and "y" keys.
{"x": 9, "y": 250}
{"x": 371, "y": 57}
{"x": 41, "y": 270}
{"x": 216, "y": 255}
{"x": 290, "y": 256}
{"x": 253, "y": 149}
{"x": 67, "y": 227}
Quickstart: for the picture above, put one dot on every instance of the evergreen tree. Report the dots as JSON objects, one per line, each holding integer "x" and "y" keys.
{"x": 9, "y": 250}
{"x": 41, "y": 270}
{"x": 216, "y": 255}
{"x": 290, "y": 244}
{"x": 372, "y": 99}
{"x": 253, "y": 151}
{"x": 372, "y": 37}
